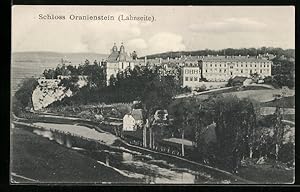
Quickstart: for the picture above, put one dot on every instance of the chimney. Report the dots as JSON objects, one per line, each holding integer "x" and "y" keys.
{"x": 145, "y": 60}
{"x": 168, "y": 58}
{"x": 159, "y": 60}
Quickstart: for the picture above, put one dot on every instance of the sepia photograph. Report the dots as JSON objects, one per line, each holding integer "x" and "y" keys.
{"x": 138, "y": 95}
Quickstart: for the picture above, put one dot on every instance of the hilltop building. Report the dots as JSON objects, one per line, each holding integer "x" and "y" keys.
{"x": 222, "y": 68}
{"x": 119, "y": 60}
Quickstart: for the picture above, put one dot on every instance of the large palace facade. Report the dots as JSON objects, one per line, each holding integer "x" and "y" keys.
{"x": 222, "y": 68}
{"x": 194, "y": 69}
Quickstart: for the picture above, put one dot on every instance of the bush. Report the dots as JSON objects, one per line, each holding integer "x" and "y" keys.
{"x": 287, "y": 152}
{"x": 23, "y": 97}
{"x": 201, "y": 88}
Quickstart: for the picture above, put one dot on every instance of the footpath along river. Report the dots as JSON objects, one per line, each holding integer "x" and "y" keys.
{"x": 145, "y": 166}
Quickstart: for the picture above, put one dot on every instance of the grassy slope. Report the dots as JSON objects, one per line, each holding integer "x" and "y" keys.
{"x": 286, "y": 102}
{"x": 267, "y": 175}
{"x": 38, "y": 158}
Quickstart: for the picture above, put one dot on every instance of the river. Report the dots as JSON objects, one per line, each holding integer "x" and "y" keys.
{"x": 147, "y": 167}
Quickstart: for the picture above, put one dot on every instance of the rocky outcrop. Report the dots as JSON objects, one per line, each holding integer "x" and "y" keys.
{"x": 49, "y": 91}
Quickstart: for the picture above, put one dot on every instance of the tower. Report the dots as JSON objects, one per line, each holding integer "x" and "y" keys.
{"x": 122, "y": 48}
{"x": 115, "y": 48}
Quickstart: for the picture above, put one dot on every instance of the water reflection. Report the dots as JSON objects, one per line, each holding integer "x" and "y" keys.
{"x": 134, "y": 164}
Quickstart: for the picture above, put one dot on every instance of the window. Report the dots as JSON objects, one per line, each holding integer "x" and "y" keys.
{"x": 254, "y": 65}
{"x": 224, "y": 70}
{"x": 186, "y": 79}
{"x": 267, "y": 65}
{"x": 215, "y": 65}
{"x": 237, "y": 65}
{"x": 195, "y": 79}
{"x": 122, "y": 65}
{"x": 224, "y": 65}
{"x": 242, "y": 71}
{"x": 250, "y": 65}
{"x": 191, "y": 78}
{"x": 206, "y": 70}
{"x": 246, "y": 65}
{"x": 261, "y": 71}
{"x": 231, "y": 67}
{"x": 230, "y": 73}
{"x": 264, "y": 65}
{"x": 220, "y": 70}
{"x": 206, "y": 65}
{"x": 241, "y": 65}
{"x": 210, "y": 65}
{"x": 220, "y": 65}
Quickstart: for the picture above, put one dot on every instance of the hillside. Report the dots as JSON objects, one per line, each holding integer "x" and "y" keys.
{"x": 289, "y": 53}
{"x": 28, "y": 64}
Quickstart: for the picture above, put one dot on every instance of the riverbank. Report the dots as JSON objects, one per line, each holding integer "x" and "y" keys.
{"x": 36, "y": 159}
{"x": 249, "y": 174}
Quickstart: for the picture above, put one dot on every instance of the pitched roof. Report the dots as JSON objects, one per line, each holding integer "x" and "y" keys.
{"x": 137, "y": 114}
{"x": 117, "y": 56}
{"x": 239, "y": 79}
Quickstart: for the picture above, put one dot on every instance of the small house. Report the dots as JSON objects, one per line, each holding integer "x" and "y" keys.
{"x": 133, "y": 120}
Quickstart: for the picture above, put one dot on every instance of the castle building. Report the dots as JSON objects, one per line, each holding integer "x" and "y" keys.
{"x": 222, "y": 68}
{"x": 117, "y": 61}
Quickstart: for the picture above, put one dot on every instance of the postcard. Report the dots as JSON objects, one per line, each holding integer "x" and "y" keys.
{"x": 129, "y": 95}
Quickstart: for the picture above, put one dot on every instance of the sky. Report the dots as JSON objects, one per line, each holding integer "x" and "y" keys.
{"x": 175, "y": 28}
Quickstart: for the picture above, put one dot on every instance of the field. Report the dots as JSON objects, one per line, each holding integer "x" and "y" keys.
{"x": 260, "y": 95}
{"x": 45, "y": 161}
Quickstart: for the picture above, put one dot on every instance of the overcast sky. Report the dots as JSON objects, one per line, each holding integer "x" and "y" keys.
{"x": 175, "y": 28}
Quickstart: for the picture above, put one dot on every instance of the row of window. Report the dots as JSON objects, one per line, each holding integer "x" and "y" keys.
{"x": 237, "y": 65}
{"x": 123, "y": 65}
{"x": 191, "y": 71}
{"x": 224, "y": 70}
{"x": 191, "y": 78}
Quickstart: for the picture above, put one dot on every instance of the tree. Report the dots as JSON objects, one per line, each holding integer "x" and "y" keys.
{"x": 278, "y": 131}
{"x": 134, "y": 55}
{"x": 156, "y": 95}
{"x": 185, "y": 117}
{"x": 235, "y": 123}
{"x": 23, "y": 96}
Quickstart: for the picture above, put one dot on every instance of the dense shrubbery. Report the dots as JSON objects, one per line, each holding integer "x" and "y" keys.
{"x": 127, "y": 86}
{"x": 239, "y": 134}
{"x": 22, "y": 98}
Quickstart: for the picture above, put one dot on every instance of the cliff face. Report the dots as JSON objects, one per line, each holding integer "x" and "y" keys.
{"x": 49, "y": 91}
